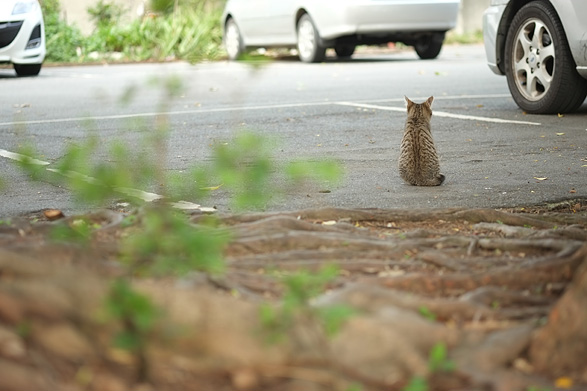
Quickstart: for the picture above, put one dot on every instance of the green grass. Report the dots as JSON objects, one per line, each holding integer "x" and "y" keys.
{"x": 465, "y": 38}
{"x": 191, "y": 33}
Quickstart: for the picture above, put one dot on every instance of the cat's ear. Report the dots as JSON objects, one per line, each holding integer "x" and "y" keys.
{"x": 429, "y": 101}
{"x": 409, "y": 103}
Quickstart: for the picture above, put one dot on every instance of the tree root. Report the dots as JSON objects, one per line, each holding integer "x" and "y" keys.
{"x": 476, "y": 282}
{"x": 534, "y": 275}
{"x": 386, "y": 215}
{"x": 573, "y": 232}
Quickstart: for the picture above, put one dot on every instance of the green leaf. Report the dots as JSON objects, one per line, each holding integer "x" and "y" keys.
{"x": 417, "y": 383}
{"x": 438, "y": 359}
{"x": 334, "y": 317}
{"x": 127, "y": 341}
{"x": 425, "y": 312}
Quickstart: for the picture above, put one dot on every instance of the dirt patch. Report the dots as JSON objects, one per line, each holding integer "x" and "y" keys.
{"x": 453, "y": 299}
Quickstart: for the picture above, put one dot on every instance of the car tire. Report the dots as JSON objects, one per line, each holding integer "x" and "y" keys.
{"x": 428, "y": 46}
{"x": 233, "y": 40}
{"x": 539, "y": 67}
{"x": 310, "y": 48}
{"x": 344, "y": 50}
{"x": 27, "y": 69}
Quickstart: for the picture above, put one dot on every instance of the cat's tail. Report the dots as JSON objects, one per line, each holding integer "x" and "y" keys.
{"x": 437, "y": 181}
{"x": 440, "y": 178}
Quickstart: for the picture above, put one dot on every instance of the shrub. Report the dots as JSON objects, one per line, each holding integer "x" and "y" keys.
{"x": 63, "y": 40}
{"x": 193, "y": 34}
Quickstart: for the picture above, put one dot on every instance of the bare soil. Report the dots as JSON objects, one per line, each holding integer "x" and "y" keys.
{"x": 505, "y": 291}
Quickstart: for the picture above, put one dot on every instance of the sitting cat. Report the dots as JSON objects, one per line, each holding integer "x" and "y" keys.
{"x": 418, "y": 161}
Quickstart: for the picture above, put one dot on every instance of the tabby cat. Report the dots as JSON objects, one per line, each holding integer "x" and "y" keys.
{"x": 418, "y": 161}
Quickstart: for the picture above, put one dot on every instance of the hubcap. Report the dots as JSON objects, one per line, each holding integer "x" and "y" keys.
{"x": 306, "y": 38}
{"x": 533, "y": 59}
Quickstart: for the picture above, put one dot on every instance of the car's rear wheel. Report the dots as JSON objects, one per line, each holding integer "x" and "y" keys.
{"x": 233, "y": 40}
{"x": 539, "y": 67}
{"x": 27, "y": 69}
{"x": 428, "y": 46}
{"x": 310, "y": 47}
{"x": 344, "y": 50}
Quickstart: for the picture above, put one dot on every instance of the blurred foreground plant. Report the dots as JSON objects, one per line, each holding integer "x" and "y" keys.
{"x": 300, "y": 288}
{"x": 168, "y": 244}
{"x": 161, "y": 241}
{"x": 136, "y": 316}
{"x": 438, "y": 362}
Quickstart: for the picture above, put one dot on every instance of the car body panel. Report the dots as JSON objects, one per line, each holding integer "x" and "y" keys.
{"x": 14, "y": 49}
{"x": 573, "y": 16}
{"x": 493, "y": 37}
{"x": 273, "y": 22}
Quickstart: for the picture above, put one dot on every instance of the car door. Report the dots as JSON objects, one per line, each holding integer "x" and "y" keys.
{"x": 264, "y": 22}
{"x": 249, "y": 16}
{"x": 282, "y": 22}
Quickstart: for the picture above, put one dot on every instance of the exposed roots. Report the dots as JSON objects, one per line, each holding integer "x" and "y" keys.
{"x": 503, "y": 293}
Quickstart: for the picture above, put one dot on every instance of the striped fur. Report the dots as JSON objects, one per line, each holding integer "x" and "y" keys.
{"x": 418, "y": 161}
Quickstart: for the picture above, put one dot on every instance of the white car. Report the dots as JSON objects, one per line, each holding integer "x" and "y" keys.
{"x": 541, "y": 47}
{"x": 22, "y": 36}
{"x": 315, "y": 25}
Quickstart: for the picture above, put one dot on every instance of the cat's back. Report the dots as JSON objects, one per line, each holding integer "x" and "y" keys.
{"x": 418, "y": 162}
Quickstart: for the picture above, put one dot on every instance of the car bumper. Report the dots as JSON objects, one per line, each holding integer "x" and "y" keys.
{"x": 491, "y": 21}
{"x": 22, "y": 41}
{"x": 381, "y": 16}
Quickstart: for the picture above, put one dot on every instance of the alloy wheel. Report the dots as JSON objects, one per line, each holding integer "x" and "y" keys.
{"x": 533, "y": 59}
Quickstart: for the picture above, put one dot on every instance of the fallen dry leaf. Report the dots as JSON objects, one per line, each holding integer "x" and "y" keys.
{"x": 211, "y": 187}
{"x": 563, "y": 382}
{"x": 53, "y": 214}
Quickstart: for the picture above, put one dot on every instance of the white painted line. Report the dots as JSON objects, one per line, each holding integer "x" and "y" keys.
{"x": 19, "y": 158}
{"x": 269, "y": 107}
{"x": 142, "y": 195}
{"x": 447, "y": 97}
{"x": 484, "y": 119}
{"x": 168, "y": 113}
{"x": 441, "y": 114}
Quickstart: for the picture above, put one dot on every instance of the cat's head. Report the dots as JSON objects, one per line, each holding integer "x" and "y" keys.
{"x": 425, "y": 107}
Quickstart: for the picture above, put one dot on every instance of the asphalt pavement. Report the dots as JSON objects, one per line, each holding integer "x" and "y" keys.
{"x": 493, "y": 154}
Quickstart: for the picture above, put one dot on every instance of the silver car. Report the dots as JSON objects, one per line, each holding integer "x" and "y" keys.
{"x": 541, "y": 47}
{"x": 313, "y": 26}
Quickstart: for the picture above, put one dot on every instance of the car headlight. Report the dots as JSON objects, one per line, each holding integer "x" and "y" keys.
{"x": 24, "y": 7}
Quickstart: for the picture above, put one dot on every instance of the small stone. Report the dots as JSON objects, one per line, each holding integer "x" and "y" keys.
{"x": 245, "y": 379}
{"x": 10, "y": 311}
{"x": 64, "y": 341}
{"x": 11, "y": 345}
{"x": 107, "y": 382}
{"x": 14, "y": 377}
